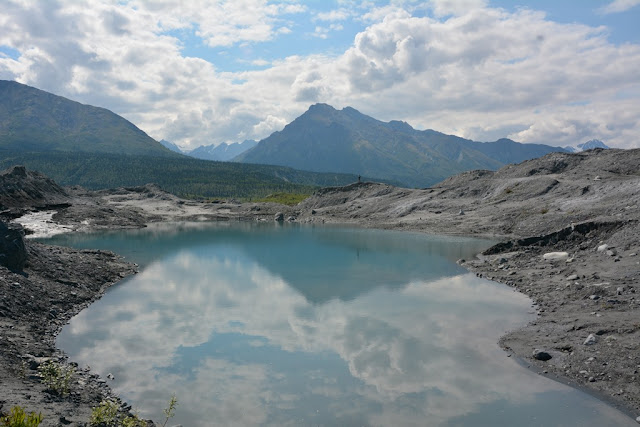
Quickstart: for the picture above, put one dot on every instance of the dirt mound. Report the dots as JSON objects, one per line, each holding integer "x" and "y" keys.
{"x": 588, "y": 164}
{"x": 22, "y": 190}
{"x": 333, "y": 196}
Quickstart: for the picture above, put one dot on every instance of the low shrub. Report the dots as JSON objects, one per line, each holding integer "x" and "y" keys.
{"x": 105, "y": 414}
{"x": 19, "y": 418}
{"x": 56, "y": 376}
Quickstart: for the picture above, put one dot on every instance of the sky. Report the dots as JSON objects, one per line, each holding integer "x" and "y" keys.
{"x": 203, "y": 72}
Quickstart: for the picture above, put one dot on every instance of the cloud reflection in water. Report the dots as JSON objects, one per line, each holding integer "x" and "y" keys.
{"x": 239, "y": 345}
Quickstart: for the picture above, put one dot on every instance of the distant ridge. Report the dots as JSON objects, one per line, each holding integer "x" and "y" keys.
{"x": 324, "y": 139}
{"x": 589, "y": 145}
{"x": 222, "y": 152}
{"x": 171, "y": 146}
{"x": 35, "y": 120}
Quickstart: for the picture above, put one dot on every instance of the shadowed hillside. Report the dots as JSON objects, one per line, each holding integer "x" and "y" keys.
{"x": 35, "y": 120}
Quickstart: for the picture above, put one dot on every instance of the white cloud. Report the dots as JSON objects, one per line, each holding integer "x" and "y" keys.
{"x": 455, "y": 7}
{"x": 334, "y": 15}
{"x": 477, "y": 72}
{"x": 222, "y": 23}
{"x": 260, "y": 62}
{"x": 323, "y": 32}
{"x": 269, "y": 125}
{"x": 618, "y": 6}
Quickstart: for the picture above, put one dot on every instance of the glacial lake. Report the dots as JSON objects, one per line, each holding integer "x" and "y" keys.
{"x": 260, "y": 324}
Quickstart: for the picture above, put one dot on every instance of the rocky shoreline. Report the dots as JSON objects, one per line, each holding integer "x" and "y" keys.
{"x": 569, "y": 226}
{"x": 55, "y": 284}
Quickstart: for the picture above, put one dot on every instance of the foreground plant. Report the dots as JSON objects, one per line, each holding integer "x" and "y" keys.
{"x": 133, "y": 421}
{"x": 105, "y": 414}
{"x": 56, "y": 377}
{"x": 18, "y": 418}
{"x": 170, "y": 410}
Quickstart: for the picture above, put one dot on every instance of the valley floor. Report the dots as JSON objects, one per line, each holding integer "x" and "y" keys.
{"x": 587, "y": 295}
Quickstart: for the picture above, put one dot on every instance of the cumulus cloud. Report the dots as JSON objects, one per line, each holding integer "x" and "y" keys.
{"x": 334, "y": 15}
{"x": 323, "y": 32}
{"x": 618, "y": 6}
{"x": 222, "y": 23}
{"x": 455, "y": 7}
{"x": 466, "y": 68}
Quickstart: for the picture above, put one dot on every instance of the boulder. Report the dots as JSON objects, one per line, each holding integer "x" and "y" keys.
{"x": 550, "y": 256}
{"x": 279, "y": 217}
{"x": 13, "y": 253}
{"x": 591, "y": 340}
{"x": 541, "y": 355}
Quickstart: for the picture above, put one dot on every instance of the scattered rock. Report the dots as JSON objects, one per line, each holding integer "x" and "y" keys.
{"x": 602, "y": 247}
{"x": 541, "y": 355}
{"x": 572, "y": 277}
{"x": 551, "y": 256}
{"x": 591, "y": 340}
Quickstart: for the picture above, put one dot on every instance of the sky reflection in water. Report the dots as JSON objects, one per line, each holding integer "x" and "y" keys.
{"x": 262, "y": 325}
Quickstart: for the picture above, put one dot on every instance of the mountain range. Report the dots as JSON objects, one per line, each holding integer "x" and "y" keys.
{"x": 78, "y": 144}
{"x": 347, "y": 141}
{"x": 221, "y": 153}
{"x": 92, "y": 146}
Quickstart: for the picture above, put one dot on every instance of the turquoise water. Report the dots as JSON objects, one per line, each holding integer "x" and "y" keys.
{"x": 285, "y": 325}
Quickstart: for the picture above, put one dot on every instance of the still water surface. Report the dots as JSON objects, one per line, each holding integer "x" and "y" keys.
{"x": 285, "y": 325}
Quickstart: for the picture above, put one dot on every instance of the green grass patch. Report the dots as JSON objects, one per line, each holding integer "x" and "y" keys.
{"x": 290, "y": 199}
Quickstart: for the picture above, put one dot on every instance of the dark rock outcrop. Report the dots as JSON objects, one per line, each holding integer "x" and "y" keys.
{"x": 22, "y": 190}
{"x": 13, "y": 254}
